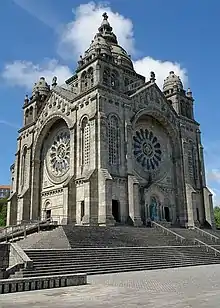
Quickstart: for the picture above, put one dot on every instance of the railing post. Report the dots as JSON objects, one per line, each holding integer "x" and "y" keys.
{"x": 6, "y": 234}
{"x": 25, "y": 231}
{"x": 12, "y": 229}
{"x": 38, "y": 226}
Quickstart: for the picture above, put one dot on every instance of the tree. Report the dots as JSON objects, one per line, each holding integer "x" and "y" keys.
{"x": 217, "y": 216}
{"x": 3, "y": 211}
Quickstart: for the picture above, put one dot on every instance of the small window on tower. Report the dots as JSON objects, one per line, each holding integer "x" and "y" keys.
{"x": 106, "y": 76}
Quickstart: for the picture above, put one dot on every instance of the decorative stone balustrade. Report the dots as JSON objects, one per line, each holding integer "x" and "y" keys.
{"x": 38, "y": 283}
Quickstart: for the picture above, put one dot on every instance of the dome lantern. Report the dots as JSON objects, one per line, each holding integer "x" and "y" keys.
{"x": 172, "y": 82}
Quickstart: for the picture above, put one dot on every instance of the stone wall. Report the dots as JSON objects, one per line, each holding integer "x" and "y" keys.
{"x": 4, "y": 258}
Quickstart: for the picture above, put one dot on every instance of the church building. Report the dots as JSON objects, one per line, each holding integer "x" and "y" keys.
{"x": 109, "y": 147}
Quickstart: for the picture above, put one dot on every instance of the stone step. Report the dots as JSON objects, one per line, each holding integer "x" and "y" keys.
{"x": 109, "y": 262}
{"x": 122, "y": 254}
{"x": 105, "y": 270}
{"x": 118, "y": 258}
{"x": 111, "y": 250}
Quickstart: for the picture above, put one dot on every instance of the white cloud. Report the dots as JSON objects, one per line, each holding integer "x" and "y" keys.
{"x": 75, "y": 38}
{"x": 77, "y": 35}
{"x": 13, "y": 125}
{"x": 160, "y": 68}
{"x": 25, "y": 74}
{"x": 214, "y": 175}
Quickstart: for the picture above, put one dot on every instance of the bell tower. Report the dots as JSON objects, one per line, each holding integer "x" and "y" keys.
{"x": 33, "y": 104}
{"x": 181, "y": 100}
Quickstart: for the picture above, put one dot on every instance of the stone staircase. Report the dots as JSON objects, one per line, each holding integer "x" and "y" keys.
{"x": 98, "y": 250}
{"x": 120, "y": 236}
{"x": 191, "y": 234}
{"x": 109, "y": 260}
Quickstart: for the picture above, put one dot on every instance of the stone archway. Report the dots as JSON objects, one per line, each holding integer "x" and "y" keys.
{"x": 116, "y": 211}
{"x": 157, "y": 157}
{"x": 167, "y": 213}
{"x": 47, "y": 210}
{"x": 51, "y": 167}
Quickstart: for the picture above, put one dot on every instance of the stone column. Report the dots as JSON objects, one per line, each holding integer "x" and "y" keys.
{"x": 134, "y": 201}
{"x": 183, "y": 214}
{"x": 189, "y": 191}
{"x": 64, "y": 219}
{"x": 105, "y": 201}
{"x": 86, "y": 217}
{"x": 123, "y": 200}
{"x": 35, "y": 191}
{"x": 20, "y": 210}
{"x": 128, "y": 138}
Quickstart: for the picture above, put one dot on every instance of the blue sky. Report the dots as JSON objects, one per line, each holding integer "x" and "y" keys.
{"x": 45, "y": 37}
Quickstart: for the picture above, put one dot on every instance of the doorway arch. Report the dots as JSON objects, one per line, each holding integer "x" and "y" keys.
{"x": 167, "y": 213}
{"x": 153, "y": 209}
{"x": 116, "y": 210}
{"x": 47, "y": 210}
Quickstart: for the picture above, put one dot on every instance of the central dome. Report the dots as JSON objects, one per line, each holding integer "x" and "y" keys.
{"x": 106, "y": 41}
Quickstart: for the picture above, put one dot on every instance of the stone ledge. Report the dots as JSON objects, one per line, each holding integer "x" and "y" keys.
{"x": 44, "y": 282}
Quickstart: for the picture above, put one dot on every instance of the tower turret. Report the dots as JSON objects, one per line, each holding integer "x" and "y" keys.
{"x": 32, "y": 105}
{"x": 181, "y": 100}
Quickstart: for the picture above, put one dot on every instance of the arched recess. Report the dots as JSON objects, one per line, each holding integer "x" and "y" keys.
{"x": 90, "y": 75}
{"x": 85, "y": 141}
{"x": 47, "y": 209}
{"x": 106, "y": 76}
{"x": 84, "y": 81}
{"x": 114, "y": 79}
{"x": 114, "y": 149}
{"x": 47, "y": 148}
{"x": 23, "y": 166}
{"x": 175, "y": 159}
{"x": 161, "y": 118}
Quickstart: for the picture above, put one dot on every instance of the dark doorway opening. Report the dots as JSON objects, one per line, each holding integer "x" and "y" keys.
{"x": 167, "y": 213}
{"x": 48, "y": 214}
{"x": 82, "y": 209}
{"x": 116, "y": 210}
{"x": 197, "y": 214}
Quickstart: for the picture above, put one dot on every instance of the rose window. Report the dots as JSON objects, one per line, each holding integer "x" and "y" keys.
{"x": 59, "y": 154}
{"x": 147, "y": 150}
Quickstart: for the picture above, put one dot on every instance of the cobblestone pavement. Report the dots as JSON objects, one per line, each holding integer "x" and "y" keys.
{"x": 191, "y": 287}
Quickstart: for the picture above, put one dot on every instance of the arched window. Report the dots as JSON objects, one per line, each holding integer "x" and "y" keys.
{"x": 126, "y": 82}
{"x": 84, "y": 81}
{"x": 192, "y": 163}
{"x": 85, "y": 142}
{"x": 183, "y": 108}
{"x": 188, "y": 111}
{"x": 90, "y": 77}
{"x": 23, "y": 166}
{"x": 113, "y": 141}
{"x": 26, "y": 120}
{"x": 114, "y": 80}
{"x": 31, "y": 114}
{"x": 106, "y": 77}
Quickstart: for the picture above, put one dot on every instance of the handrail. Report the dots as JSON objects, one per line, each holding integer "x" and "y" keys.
{"x": 26, "y": 222}
{"x": 216, "y": 238}
{"x": 169, "y": 231}
{"x": 207, "y": 246}
{"x": 23, "y": 228}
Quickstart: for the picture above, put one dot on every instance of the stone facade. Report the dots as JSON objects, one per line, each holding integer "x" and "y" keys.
{"x": 109, "y": 147}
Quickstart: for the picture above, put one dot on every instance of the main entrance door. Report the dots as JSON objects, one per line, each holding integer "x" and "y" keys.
{"x": 167, "y": 213}
{"x": 116, "y": 210}
{"x": 153, "y": 209}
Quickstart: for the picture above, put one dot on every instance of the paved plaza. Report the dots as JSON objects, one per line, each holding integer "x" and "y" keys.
{"x": 195, "y": 287}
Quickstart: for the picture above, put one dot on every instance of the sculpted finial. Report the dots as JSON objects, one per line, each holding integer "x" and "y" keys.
{"x": 105, "y": 16}
{"x": 54, "y": 81}
{"x": 152, "y": 77}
